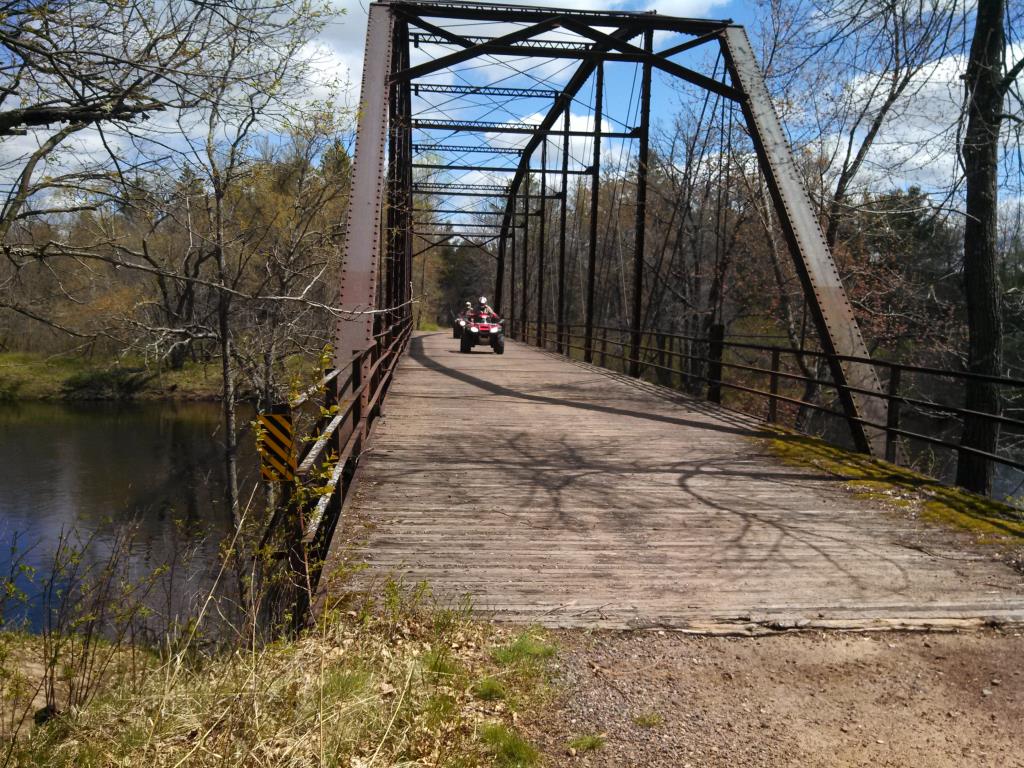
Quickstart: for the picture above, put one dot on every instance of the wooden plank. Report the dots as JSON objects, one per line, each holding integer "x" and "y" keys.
{"x": 559, "y": 493}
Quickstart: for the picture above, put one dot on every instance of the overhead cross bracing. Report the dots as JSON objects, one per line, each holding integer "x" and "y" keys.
{"x": 566, "y": 94}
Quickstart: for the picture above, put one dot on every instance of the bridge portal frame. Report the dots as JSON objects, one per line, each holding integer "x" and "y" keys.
{"x": 384, "y": 151}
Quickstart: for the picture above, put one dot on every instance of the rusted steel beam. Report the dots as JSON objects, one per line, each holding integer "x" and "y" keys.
{"x": 527, "y": 129}
{"x": 484, "y": 90}
{"x": 562, "y": 224}
{"x": 833, "y": 315}
{"x": 527, "y": 13}
{"x": 640, "y": 230}
{"x": 471, "y": 52}
{"x": 484, "y": 148}
{"x": 542, "y": 244}
{"x": 489, "y": 168}
{"x": 361, "y": 257}
{"x": 595, "y": 190}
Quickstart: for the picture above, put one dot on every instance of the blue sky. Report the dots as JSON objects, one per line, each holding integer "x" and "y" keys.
{"x": 910, "y": 143}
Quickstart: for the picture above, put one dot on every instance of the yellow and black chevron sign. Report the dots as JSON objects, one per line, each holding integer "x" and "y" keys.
{"x": 276, "y": 446}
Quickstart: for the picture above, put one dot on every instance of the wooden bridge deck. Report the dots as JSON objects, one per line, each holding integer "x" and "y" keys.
{"x": 558, "y": 493}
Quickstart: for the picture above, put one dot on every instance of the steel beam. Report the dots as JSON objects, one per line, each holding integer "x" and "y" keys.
{"x": 431, "y": 186}
{"x": 563, "y": 219}
{"x": 484, "y": 90}
{"x": 444, "y": 62}
{"x": 834, "y": 317}
{"x": 528, "y": 129}
{"x": 525, "y": 282}
{"x": 542, "y": 244}
{"x": 466, "y": 149}
{"x": 488, "y": 168}
{"x": 459, "y": 223}
{"x": 361, "y": 257}
{"x": 649, "y": 58}
{"x": 595, "y": 191}
{"x": 640, "y": 231}
{"x": 426, "y": 38}
{"x": 528, "y": 13}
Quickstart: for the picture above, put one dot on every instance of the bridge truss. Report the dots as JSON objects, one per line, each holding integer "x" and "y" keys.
{"x": 461, "y": 103}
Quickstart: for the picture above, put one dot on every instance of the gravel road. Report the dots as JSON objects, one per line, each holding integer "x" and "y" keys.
{"x": 803, "y": 699}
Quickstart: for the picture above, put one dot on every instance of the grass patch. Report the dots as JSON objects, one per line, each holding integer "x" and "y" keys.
{"x": 27, "y": 376}
{"x": 648, "y": 720}
{"x": 489, "y": 689}
{"x": 527, "y": 648}
{"x": 876, "y": 480}
{"x": 387, "y": 686}
{"x": 507, "y": 747}
{"x": 587, "y": 743}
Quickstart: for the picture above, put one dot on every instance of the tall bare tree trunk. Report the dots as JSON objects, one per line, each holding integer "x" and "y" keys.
{"x": 981, "y": 279}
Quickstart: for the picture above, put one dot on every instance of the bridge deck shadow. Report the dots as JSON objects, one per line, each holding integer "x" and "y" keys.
{"x": 558, "y": 493}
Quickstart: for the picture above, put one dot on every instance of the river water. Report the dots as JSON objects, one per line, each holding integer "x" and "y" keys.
{"x": 89, "y": 471}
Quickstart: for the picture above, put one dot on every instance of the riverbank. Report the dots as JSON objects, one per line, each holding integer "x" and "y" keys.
{"x": 397, "y": 686}
{"x": 26, "y": 376}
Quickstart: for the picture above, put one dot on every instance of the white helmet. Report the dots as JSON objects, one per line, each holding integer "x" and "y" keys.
{"x": 483, "y": 299}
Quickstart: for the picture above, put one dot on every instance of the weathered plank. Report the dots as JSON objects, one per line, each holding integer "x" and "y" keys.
{"x": 559, "y": 493}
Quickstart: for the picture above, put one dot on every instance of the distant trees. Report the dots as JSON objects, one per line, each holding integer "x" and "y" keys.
{"x": 187, "y": 199}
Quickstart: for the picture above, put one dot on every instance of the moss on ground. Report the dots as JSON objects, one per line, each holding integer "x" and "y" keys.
{"x": 876, "y": 480}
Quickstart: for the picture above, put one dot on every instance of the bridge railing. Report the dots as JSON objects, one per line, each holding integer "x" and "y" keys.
{"x": 310, "y": 500}
{"x": 778, "y": 377}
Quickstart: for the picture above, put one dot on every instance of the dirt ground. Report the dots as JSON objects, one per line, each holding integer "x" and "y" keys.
{"x": 804, "y": 699}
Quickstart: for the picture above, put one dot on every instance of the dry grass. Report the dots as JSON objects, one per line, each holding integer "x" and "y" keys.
{"x": 391, "y": 684}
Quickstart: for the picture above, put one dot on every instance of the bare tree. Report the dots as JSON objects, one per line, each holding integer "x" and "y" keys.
{"x": 989, "y": 80}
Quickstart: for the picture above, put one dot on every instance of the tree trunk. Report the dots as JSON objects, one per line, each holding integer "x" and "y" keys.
{"x": 981, "y": 281}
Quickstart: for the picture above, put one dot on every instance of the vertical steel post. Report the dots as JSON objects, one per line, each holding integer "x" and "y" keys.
{"x": 361, "y": 257}
{"x": 512, "y": 270}
{"x": 716, "y": 345}
{"x": 641, "y": 208}
{"x": 526, "y": 260}
{"x": 560, "y": 310}
{"x": 499, "y": 278}
{"x": 542, "y": 235}
{"x": 595, "y": 189}
{"x": 892, "y": 423}
{"x": 773, "y": 388}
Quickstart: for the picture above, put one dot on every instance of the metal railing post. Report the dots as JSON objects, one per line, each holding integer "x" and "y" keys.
{"x": 773, "y": 388}
{"x": 892, "y": 440}
{"x": 716, "y": 344}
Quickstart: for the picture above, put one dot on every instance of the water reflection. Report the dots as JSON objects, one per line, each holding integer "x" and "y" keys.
{"x": 92, "y": 468}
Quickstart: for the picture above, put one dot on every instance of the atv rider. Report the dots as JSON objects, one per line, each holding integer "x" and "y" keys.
{"x": 484, "y": 313}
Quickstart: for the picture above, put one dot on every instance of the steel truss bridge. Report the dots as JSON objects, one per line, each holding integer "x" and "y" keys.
{"x": 551, "y": 489}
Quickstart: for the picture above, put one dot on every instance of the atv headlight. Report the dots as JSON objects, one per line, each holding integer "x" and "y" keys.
{"x": 473, "y": 329}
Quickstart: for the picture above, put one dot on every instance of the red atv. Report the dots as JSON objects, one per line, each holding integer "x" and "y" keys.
{"x": 482, "y": 329}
